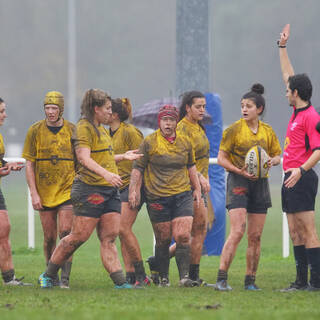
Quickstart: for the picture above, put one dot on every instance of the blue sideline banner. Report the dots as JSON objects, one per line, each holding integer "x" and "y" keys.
{"x": 214, "y": 241}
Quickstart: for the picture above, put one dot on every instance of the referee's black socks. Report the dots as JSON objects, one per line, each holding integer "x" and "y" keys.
{"x": 300, "y": 255}
{"x": 313, "y": 255}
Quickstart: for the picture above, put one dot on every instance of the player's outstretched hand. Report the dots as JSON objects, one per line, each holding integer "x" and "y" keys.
{"x": 15, "y": 166}
{"x": 132, "y": 155}
{"x": 4, "y": 171}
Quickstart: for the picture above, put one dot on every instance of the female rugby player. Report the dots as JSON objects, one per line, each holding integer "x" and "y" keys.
{"x": 127, "y": 137}
{"x": 94, "y": 194}
{"x": 50, "y": 173}
{"x": 167, "y": 167}
{"x": 6, "y": 264}
{"x": 248, "y": 198}
{"x": 192, "y": 110}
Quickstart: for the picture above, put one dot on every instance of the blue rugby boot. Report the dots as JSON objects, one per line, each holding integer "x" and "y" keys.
{"x": 125, "y": 285}
{"x": 252, "y": 287}
{"x": 249, "y": 283}
{"x": 222, "y": 285}
{"x": 45, "y": 281}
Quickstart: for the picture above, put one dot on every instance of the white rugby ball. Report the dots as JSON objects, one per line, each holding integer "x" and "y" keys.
{"x": 257, "y": 162}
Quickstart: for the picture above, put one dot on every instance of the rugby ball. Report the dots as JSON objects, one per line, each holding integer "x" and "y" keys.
{"x": 257, "y": 162}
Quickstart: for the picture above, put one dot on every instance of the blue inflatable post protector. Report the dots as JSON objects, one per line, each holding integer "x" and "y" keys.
{"x": 214, "y": 241}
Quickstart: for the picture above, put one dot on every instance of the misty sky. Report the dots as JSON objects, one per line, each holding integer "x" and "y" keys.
{"x": 128, "y": 48}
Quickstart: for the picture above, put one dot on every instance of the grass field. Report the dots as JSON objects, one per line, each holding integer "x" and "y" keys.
{"x": 92, "y": 295}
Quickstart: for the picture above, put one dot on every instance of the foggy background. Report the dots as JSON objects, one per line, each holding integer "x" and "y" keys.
{"x": 128, "y": 48}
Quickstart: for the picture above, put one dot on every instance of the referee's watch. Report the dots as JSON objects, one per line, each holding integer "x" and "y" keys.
{"x": 302, "y": 171}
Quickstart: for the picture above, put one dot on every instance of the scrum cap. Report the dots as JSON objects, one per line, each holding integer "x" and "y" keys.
{"x": 169, "y": 111}
{"x": 55, "y": 97}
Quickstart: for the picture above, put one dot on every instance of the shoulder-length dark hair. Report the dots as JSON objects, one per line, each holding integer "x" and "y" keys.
{"x": 187, "y": 99}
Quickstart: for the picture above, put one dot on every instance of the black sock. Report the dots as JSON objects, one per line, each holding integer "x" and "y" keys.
{"x": 139, "y": 270}
{"x": 194, "y": 272}
{"x": 52, "y": 270}
{"x": 183, "y": 260}
{"x": 313, "y": 255}
{"x": 118, "y": 278}
{"x": 153, "y": 264}
{"x": 222, "y": 275}
{"x": 7, "y": 276}
{"x": 162, "y": 260}
{"x": 300, "y": 255}
{"x": 65, "y": 271}
{"x": 131, "y": 277}
{"x": 249, "y": 279}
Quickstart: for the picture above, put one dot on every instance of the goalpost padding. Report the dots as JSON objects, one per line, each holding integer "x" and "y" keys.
{"x": 214, "y": 241}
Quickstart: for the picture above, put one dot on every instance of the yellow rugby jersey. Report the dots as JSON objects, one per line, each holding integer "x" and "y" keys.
{"x": 127, "y": 137}
{"x": 2, "y": 151}
{"x": 54, "y": 161}
{"x": 239, "y": 138}
{"x": 101, "y": 149}
{"x": 199, "y": 142}
{"x": 165, "y": 165}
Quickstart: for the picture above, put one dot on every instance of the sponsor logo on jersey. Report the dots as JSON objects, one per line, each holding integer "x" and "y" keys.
{"x": 293, "y": 125}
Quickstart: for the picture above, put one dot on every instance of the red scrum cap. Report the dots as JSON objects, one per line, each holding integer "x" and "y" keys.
{"x": 168, "y": 111}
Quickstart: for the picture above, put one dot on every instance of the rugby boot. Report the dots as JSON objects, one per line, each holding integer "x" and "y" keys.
{"x": 186, "y": 282}
{"x": 249, "y": 283}
{"x": 17, "y": 282}
{"x": 311, "y": 288}
{"x": 164, "y": 282}
{"x": 64, "y": 284}
{"x": 252, "y": 287}
{"x": 222, "y": 285}
{"x": 45, "y": 281}
{"x": 201, "y": 283}
{"x": 142, "y": 284}
{"x": 125, "y": 285}
{"x": 295, "y": 286}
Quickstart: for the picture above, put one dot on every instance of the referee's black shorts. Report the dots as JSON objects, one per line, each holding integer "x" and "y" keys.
{"x": 302, "y": 196}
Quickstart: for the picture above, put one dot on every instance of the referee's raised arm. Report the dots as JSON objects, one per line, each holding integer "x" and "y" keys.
{"x": 286, "y": 66}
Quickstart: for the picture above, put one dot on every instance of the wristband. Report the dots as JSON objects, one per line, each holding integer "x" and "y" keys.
{"x": 302, "y": 171}
{"x": 280, "y": 46}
